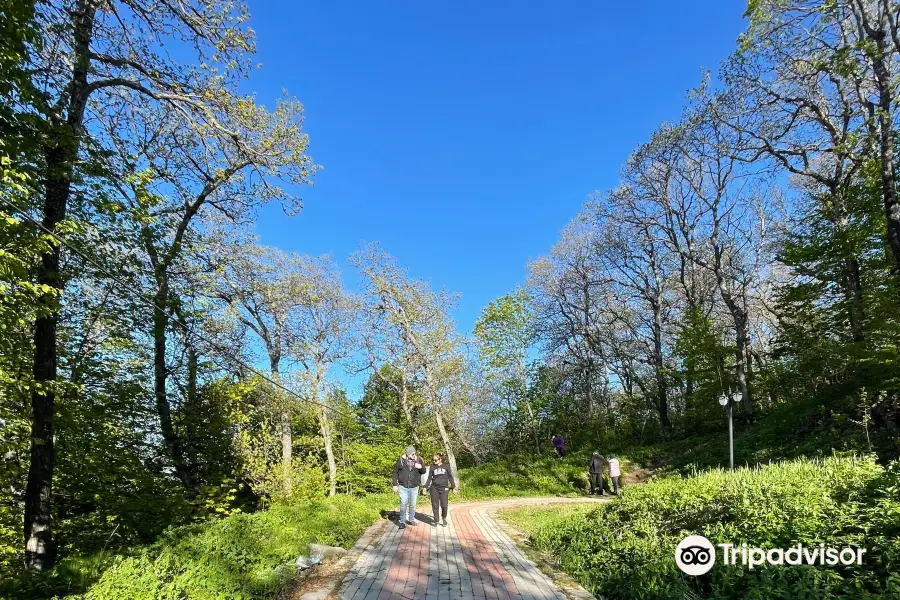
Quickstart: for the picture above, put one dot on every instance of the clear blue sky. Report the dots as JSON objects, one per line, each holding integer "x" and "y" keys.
{"x": 464, "y": 135}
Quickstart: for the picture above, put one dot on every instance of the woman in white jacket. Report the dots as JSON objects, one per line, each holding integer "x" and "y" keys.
{"x": 614, "y": 472}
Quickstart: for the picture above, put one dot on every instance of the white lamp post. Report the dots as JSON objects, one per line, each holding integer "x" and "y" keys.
{"x": 727, "y": 402}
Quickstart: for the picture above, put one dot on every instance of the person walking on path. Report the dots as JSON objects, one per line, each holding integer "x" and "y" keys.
{"x": 439, "y": 483}
{"x": 406, "y": 481}
{"x": 559, "y": 445}
{"x": 614, "y": 472}
{"x": 595, "y": 471}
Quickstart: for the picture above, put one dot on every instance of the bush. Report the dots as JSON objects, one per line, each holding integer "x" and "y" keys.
{"x": 369, "y": 467}
{"x": 625, "y": 549}
{"x": 241, "y": 557}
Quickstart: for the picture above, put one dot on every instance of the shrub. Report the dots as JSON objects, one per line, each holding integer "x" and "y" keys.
{"x": 625, "y": 549}
{"x": 241, "y": 557}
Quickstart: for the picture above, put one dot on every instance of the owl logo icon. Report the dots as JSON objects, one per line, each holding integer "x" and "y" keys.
{"x": 695, "y": 555}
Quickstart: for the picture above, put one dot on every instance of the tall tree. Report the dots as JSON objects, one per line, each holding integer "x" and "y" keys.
{"x": 320, "y": 332}
{"x": 569, "y": 289}
{"x": 701, "y": 198}
{"x": 420, "y": 318}
{"x": 174, "y": 175}
{"x": 644, "y": 269}
{"x": 505, "y": 331}
{"x": 261, "y": 286}
{"x": 92, "y": 53}
{"x": 790, "y": 105}
{"x": 850, "y": 48}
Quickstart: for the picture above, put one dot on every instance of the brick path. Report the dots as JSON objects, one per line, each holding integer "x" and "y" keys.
{"x": 471, "y": 559}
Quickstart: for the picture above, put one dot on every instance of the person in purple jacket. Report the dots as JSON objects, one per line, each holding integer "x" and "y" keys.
{"x": 559, "y": 445}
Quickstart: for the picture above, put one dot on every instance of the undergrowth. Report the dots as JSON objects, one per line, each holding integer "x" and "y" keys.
{"x": 625, "y": 549}
{"x": 517, "y": 476}
{"x": 241, "y": 557}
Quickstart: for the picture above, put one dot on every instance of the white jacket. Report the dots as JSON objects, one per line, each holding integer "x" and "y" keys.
{"x": 614, "y": 467}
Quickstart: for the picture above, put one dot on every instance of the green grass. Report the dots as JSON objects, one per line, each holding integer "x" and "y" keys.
{"x": 625, "y": 549}
{"x": 518, "y": 476}
{"x": 530, "y": 520}
{"x": 241, "y": 557}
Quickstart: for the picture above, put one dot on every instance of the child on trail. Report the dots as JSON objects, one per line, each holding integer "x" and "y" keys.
{"x": 559, "y": 445}
{"x": 614, "y": 472}
{"x": 595, "y": 470}
{"x": 438, "y": 484}
{"x": 406, "y": 480}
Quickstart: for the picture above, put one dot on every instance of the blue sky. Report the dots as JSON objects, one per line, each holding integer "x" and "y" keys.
{"x": 464, "y": 135}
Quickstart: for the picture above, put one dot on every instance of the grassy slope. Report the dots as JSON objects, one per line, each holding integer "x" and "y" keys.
{"x": 518, "y": 476}
{"x": 801, "y": 429}
{"x": 238, "y": 557}
{"x": 625, "y": 549}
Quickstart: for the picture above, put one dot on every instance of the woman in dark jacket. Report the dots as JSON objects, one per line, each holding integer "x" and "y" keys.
{"x": 438, "y": 484}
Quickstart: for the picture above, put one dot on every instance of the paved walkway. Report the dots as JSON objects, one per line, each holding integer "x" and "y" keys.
{"x": 470, "y": 559}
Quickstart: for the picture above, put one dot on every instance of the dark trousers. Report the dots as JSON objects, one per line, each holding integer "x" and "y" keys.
{"x": 597, "y": 482}
{"x": 560, "y": 452}
{"x": 439, "y": 498}
{"x": 615, "y": 481}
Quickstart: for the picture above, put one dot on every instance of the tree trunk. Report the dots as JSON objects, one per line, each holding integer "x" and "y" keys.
{"x": 854, "y": 294}
{"x": 287, "y": 439}
{"x": 588, "y": 374}
{"x": 534, "y": 426}
{"x": 662, "y": 403}
{"x": 191, "y": 406}
{"x": 886, "y": 145}
{"x": 172, "y": 440}
{"x": 407, "y": 410}
{"x": 689, "y": 284}
{"x": 739, "y": 318}
{"x": 689, "y": 389}
{"x": 325, "y": 428}
{"x": 40, "y": 550}
{"x": 439, "y": 419}
{"x": 523, "y": 379}
{"x": 61, "y": 153}
{"x": 740, "y": 370}
{"x": 287, "y": 454}
{"x": 445, "y": 440}
{"x": 748, "y": 357}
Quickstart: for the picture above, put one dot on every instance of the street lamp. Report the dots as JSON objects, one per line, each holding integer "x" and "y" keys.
{"x": 727, "y": 402}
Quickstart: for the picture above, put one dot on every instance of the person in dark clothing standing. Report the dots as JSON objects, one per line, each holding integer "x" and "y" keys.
{"x": 407, "y": 478}
{"x": 595, "y": 470}
{"x": 559, "y": 445}
{"x": 438, "y": 484}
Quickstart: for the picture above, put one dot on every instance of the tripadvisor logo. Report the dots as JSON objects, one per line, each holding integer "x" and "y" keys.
{"x": 696, "y": 555}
